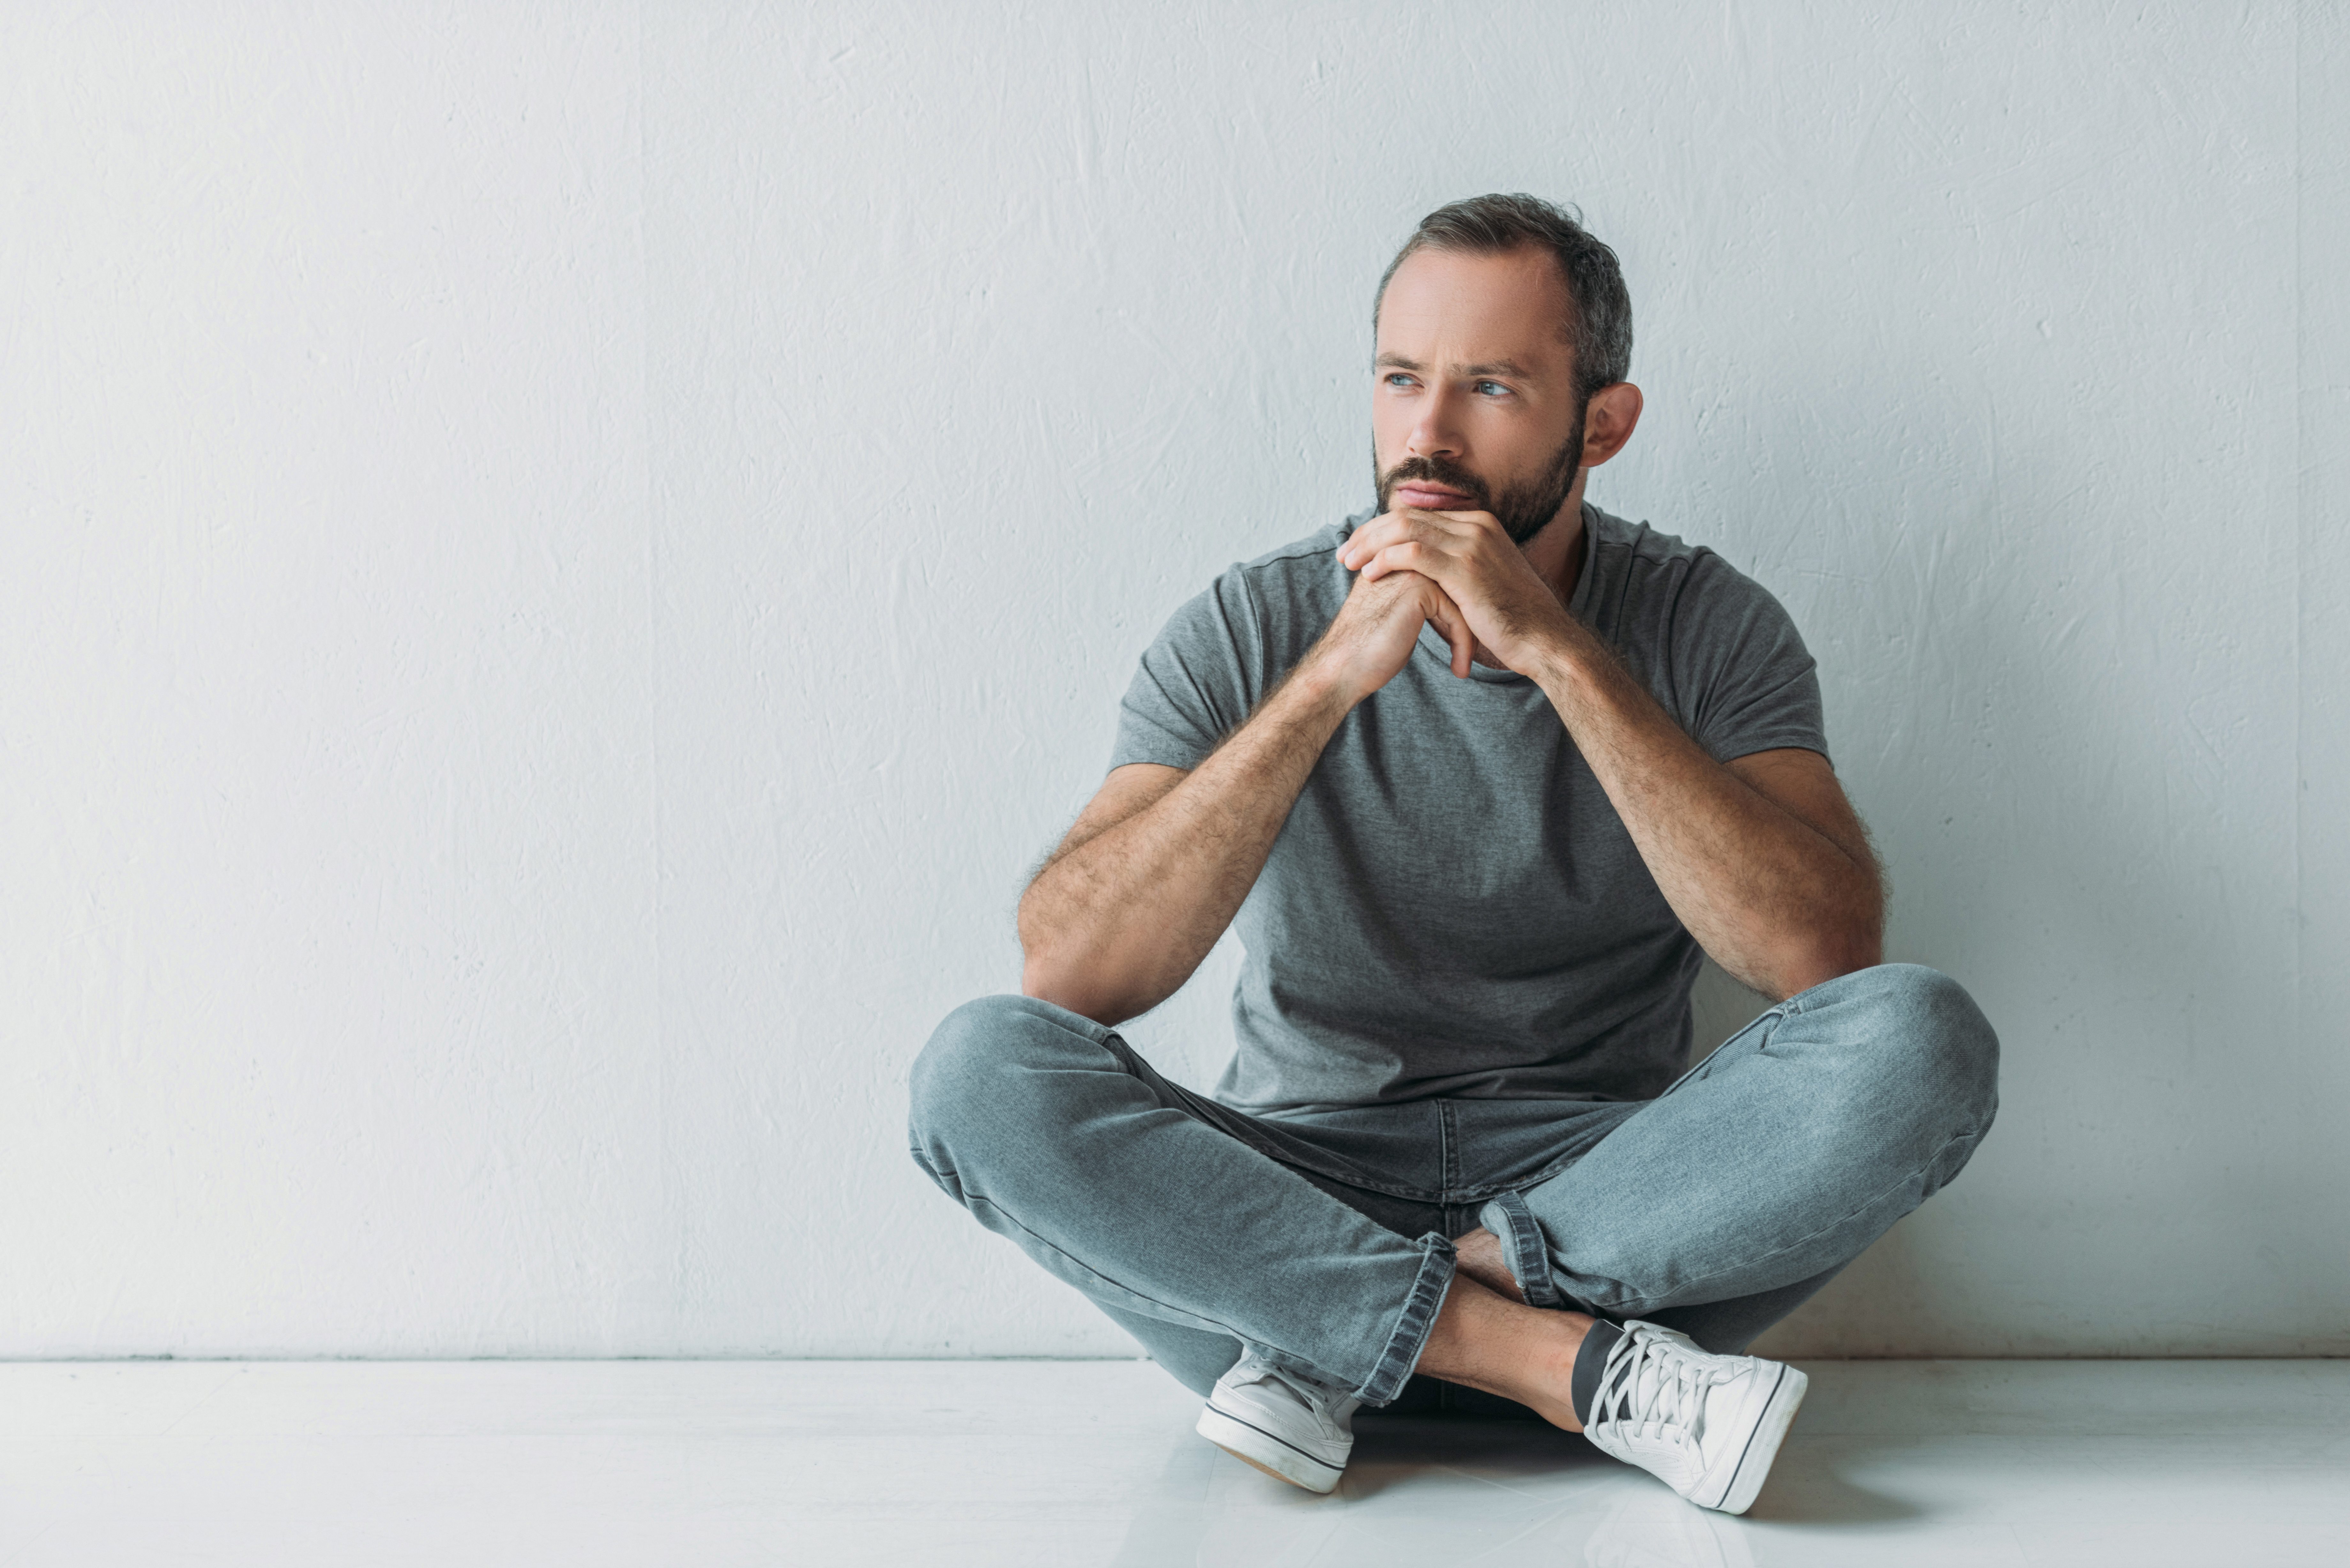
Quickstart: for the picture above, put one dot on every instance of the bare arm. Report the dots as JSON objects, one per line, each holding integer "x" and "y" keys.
{"x": 1762, "y": 860}
{"x": 1157, "y": 864}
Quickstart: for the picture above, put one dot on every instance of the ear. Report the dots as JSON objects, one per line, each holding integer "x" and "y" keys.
{"x": 1608, "y": 420}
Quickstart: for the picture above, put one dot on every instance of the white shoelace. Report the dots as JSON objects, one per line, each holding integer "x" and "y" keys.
{"x": 1296, "y": 1388}
{"x": 1311, "y": 1399}
{"x": 1651, "y": 1382}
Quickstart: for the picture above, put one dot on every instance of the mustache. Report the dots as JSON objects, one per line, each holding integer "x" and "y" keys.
{"x": 1438, "y": 470}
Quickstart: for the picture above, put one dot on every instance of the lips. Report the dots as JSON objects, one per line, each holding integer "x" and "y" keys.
{"x": 1429, "y": 497}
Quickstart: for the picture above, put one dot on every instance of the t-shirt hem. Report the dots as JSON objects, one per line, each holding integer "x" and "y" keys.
{"x": 1769, "y": 740}
{"x": 1167, "y": 757}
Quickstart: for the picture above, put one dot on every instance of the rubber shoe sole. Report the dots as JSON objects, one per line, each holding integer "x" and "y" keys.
{"x": 1254, "y": 1446}
{"x": 1762, "y": 1443}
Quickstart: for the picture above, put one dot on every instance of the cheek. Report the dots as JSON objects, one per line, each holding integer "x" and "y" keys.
{"x": 1531, "y": 455}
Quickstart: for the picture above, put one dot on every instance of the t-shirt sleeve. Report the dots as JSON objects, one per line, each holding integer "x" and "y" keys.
{"x": 1197, "y": 681}
{"x": 1744, "y": 678}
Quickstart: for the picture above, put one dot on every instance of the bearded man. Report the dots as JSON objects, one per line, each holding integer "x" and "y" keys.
{"x": 1481, "y": 773}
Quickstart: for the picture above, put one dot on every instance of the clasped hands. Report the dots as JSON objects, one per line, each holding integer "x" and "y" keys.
{"x": 1488, "y": 590}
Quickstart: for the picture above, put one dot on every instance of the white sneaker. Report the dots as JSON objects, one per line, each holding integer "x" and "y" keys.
{"x": 1707, "y": 1426}
{"x": 1280, "y": 1423}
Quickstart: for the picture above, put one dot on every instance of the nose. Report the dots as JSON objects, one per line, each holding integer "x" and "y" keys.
{"x": 1433, "y": 432}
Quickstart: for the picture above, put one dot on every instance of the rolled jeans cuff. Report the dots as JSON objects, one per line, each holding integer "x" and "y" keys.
{"x": 1410, "y": 1335}
{"x": 1525, "y": 1248}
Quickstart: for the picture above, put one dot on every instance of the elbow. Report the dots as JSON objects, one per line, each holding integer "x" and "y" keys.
{"x": 1047, "y": 983}
{"x": 1065, "y": 985}
{"x": 1043, "y": 973}
{"x": 1828, "y": 952}
{"x": 1076, "y": 970}
{"x": 1080, "y": 951}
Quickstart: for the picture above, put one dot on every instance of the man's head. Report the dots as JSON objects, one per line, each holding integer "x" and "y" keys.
{"x": 1503, "y": 335}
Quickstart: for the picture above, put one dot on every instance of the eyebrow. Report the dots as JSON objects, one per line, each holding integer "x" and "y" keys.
{"x": 1509, "y": 367}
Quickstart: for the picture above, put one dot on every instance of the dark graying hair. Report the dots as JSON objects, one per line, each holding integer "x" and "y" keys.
{"x": 1601, "y": 331}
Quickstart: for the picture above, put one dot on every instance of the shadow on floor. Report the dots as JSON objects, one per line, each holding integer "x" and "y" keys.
{"x": 1394, "y": 1449}
{"x": 1804, "y": 1488}
{"x": 1476, "y": 1489}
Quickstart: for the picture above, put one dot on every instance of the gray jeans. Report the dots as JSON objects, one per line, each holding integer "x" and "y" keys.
{"x": 1323, "y": 1238}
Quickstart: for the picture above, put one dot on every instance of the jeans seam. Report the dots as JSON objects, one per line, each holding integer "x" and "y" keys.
{"x": 1245, "y": 1135}
{"x": 1106, "y": 1034}
{"x": 1486, "y": 1192}
{"x": 1772, "y": 1013}
{"x": 1970, "y": 1136}
{"x": 1190, "y": 1318}
{"x": 1410, "y": 1194}
{"x": 1413, "y": 1320}
{"x": 944, "y": 1178}
{"x": 1449, "y": 1150}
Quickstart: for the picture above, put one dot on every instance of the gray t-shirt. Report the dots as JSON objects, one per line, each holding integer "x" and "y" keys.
{"x": 1453, "y": 908}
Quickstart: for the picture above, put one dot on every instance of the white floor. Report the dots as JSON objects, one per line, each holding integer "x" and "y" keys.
{"x": 947, "y": 1464}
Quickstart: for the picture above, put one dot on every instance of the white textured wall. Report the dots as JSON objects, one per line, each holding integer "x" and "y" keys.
{"x": 557, "y": 564}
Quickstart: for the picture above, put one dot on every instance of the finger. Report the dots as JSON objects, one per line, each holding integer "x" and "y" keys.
{"x": 1447, "y": 619}
{"x": 1408, "y": 556}
{"x": 1473, "y": 519}
{"x": 1366, "y": 540}
{"x": 1387, "y": 528}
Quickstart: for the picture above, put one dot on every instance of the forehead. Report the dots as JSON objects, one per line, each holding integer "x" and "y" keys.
{"x": 1460, "y": 308}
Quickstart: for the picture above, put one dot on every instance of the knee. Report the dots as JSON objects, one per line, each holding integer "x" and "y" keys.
{"x": 969, "y": 1073}
{"x": 1921, "y": 1026}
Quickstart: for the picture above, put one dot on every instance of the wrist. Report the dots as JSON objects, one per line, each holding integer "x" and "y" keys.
{"x": 1556, "y": 656}
{"x": 1318, "y": 683}
{"x": 1570, "y": 662}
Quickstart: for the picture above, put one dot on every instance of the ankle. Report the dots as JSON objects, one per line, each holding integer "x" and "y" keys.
{"x": 1572, "y": 1332}
{"x": 1527, "y": 1353}
{"x": 1544, "y": 1381}
{"x": 1590, "y": 1361}
{"x": 1479, "y": 1255}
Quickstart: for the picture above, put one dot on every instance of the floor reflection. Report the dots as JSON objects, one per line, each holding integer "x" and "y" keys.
{"x": 1428, "y": 1489}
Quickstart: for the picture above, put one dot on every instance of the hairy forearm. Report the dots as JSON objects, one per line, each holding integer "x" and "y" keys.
{"x": 1114, "y": 924}
{"x": 1773, "y": 899}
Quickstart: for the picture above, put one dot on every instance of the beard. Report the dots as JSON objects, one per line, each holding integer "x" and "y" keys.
{"x": 1524, "y": 509}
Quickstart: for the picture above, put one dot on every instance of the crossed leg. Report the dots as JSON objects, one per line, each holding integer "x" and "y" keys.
{"x": 1716, "y": 1209}
{"x": 1723, "y": 1204}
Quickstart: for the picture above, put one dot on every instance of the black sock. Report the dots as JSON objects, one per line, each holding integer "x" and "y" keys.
{"x": 1588, "y": 1363}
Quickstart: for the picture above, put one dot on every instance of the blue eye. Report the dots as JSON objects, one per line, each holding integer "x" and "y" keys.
{"x": 1397, "y": 379}
{"x": 1496, "y": 386}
